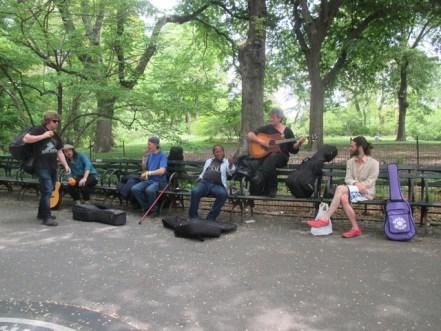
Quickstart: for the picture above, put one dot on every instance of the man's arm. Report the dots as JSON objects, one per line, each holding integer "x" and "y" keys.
{"x": 62, "y": 159}
{"x": 373, "y": 175}
{"x": 252, "y": 137}
{"x": 144, "y": 160}
{"x": 30, "y": 139}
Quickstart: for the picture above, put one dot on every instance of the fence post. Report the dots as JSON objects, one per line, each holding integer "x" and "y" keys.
{"x": 90, "y": 149}
{"x": 418, "y": 152}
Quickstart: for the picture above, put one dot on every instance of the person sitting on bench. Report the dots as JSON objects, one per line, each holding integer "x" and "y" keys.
{"x": 83, "y": 174}
{"x": 361, "y": 174}
{"x": 212, "y": 182}
{"x": 154, "y": 165}
{"x": 265, "y": 178}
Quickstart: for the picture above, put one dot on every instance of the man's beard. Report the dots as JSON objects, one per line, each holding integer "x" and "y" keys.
{"x": 354, "y": 153}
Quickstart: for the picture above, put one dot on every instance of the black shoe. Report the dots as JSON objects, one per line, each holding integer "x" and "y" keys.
{"x": 51, "y": 217}
{"x": 49, "y": 222}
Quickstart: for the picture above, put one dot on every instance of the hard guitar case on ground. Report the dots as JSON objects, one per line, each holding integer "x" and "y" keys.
{"x": 92, "y": 213}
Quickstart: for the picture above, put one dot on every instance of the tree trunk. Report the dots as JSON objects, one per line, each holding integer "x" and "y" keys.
{"x": 381, "y": 119}
{"x": 252, "y": 71}
{"x": 103, "y": 137}
{"x": 316, "y": 102}
{"x": 402, "y": 102}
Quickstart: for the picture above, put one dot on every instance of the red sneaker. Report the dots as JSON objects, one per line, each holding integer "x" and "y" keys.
{"x": 317, "y": 223}
{"x": 351, "y": 233}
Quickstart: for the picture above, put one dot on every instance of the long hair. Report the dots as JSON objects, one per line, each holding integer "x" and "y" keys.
{"x": 361, "y": 141}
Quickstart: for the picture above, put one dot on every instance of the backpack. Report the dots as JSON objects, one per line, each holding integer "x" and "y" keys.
{"x": 23, "y": 152}
{"x": 176, "y": 153}
{"x": 247, "y": 167}
{"x": 123, "y": 188}
{"x": 398, "y": 223}
{"x": 301, "y": 182}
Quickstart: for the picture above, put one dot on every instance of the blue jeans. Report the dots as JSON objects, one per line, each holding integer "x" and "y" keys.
{"x": 145, "y": 193}
{"x": 47, "y": 179}
{"x": 203, "y": 189}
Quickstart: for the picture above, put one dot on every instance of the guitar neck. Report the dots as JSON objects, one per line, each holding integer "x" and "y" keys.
{"x": 283, "y": 141}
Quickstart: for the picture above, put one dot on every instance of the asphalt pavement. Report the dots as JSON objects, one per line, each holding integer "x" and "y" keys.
{"x": 270, "y": 274}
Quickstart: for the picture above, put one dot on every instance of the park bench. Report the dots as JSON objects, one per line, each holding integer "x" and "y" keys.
{"x": 421, "y": 185}
{"x": 412, "y": 178}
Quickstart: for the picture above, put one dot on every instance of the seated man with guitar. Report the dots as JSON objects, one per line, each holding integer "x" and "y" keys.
{"x": 271, "y": 145}
{"x": 83, "y": 174}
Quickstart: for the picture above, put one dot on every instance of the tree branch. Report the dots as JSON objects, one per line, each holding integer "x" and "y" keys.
{"x": 298, "y": 28}
{"x": 151, "y": 48}
{"x": 352, "y": 34}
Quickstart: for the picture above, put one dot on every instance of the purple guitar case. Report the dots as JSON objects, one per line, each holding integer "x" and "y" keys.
{"x": 398, "y": 223}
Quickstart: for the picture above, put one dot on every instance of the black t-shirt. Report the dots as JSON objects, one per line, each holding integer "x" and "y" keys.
{"x": 45, "y": 151}
{"x": 212, "y": 173}
{"x": 287, "y": 134}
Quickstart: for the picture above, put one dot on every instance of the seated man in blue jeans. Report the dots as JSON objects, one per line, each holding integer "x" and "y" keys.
{"x": 212, "y": 182}
{"x": 154, "y": 165}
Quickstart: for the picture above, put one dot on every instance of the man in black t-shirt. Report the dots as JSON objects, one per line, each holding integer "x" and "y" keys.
{"x": 265, "y": 179}
{"x": 46, "y": 148}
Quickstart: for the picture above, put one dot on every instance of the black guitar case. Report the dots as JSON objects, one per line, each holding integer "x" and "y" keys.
{"x": 92, "y": 213}
{"x": 197, "y": 230}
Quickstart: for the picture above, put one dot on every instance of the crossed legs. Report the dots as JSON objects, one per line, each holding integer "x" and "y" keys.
{"x": 341, "y": 197}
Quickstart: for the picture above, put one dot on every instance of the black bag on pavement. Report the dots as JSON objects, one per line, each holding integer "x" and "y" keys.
{"x": 172, "y": 222}
{"x": 92, "y": 213}
{"x": 198, "y": 230}
{"x": 301, "y": 182}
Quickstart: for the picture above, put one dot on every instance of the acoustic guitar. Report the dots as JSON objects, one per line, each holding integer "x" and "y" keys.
{"x": 56, "y": 197}
{"x": 257, "y": 151}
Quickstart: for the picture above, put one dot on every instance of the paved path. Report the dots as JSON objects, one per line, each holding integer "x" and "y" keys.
{"x": 269, "y": 275}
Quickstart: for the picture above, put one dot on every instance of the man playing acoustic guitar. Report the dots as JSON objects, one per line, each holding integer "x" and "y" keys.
{"x": 271, "y": 145}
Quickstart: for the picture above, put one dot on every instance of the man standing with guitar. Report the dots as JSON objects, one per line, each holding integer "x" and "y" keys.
{"x": 46, "y": 148}
{"x": 271, "y": 145}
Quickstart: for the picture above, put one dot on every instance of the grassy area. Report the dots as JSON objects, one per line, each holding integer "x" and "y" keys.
{"x": 133, "y": 146}
{"x": 344, "y": 140}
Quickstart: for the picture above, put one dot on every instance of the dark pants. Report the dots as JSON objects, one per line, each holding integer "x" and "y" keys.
{"x": 266, "y": 172}
{"x": 202, "y": 189}
{"x": 47, "y": 179}
{"x": 76, "y": 191}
